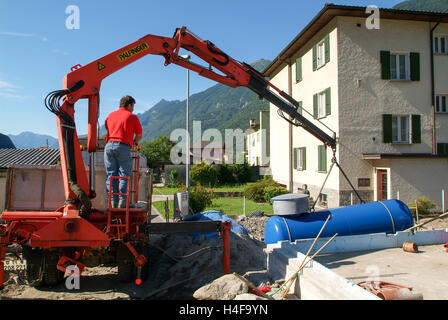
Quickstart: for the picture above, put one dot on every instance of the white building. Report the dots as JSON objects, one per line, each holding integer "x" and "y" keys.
{"x": 257, "y": 140}
{"x": 374, "y": 88}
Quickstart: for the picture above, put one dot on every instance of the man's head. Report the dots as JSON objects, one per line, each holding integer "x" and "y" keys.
{"x": 127, "y": 102}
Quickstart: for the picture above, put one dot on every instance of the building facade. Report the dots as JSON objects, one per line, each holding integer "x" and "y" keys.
{"x": 258, "y": 140}
{"x": 374, "y": 89}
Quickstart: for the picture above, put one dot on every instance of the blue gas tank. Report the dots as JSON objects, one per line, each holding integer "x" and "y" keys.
{"x": 387, "y": 216}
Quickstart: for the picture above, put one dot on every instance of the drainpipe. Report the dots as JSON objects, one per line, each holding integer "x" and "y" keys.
{"x": 433, "y": 93}
{"x": 291, "y": 156}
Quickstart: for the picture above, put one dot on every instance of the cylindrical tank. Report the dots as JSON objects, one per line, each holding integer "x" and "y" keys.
{"x": 387, "y": 216}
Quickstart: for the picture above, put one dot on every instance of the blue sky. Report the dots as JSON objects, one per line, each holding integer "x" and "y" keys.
{"x": 37, "y": 49}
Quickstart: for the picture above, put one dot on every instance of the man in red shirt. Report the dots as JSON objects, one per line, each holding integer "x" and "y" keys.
{"x": 123, "y": 131}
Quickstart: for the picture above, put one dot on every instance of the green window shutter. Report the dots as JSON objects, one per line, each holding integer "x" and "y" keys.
{"x": 295, "y": 158}
{"x": 442, "y": 149}
{"x": 315, "y": 97}
{"x": 327, "y": 48}
{"x": 322, "y": 158}
{"x": 385, "y": 64}
{"x": 328, "y": 101}
{"x": 416, "y": 128}
{"x": 304, "y": 158}
{"x": 299, "y": 69}
{"x": 415, "y": 66}
{"x": 314, "y": 58}
{"x": 299, "y": 109}
{"x": 387, "y": 128}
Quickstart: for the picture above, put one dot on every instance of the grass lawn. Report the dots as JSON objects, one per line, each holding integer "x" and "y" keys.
{"x": 229, "y": 206}
{"x": 233, "y": 188}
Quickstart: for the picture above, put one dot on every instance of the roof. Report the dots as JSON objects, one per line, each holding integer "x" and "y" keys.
{"x": 38, "y": 156}
{"x": 331, "y": 10}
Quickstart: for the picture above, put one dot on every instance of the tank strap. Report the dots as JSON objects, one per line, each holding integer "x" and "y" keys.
{"x": 390, "y": 214}
{"x": 287, "y": 228}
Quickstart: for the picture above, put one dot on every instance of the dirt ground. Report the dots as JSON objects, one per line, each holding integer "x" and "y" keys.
{"x": 183, "y": 266}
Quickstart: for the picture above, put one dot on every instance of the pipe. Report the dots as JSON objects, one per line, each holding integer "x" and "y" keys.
{"x": 431, "y": 39}
{"x": 225, "y": 229}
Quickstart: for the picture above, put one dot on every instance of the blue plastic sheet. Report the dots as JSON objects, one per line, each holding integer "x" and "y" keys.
{"x": 214, "y": 216}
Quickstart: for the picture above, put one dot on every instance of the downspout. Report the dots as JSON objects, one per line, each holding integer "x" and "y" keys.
{"x": 291, "y": 156}
{"x": 433, "y": 93}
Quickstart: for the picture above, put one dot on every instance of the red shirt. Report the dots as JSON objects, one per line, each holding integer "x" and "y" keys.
{"x": 121, "y": 125}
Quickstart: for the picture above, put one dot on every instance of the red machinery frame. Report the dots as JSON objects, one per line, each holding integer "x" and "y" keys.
{"x": 76, "y": 224}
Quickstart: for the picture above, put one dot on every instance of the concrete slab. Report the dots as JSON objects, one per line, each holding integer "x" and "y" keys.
{"x": 424, "y": 271}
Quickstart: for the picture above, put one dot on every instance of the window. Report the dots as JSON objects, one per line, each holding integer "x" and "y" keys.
{"x": 441, "y": 106}
{"x": 300, "y": 158}
{"x": 440, "y": 44}
{"x": 401, "y": 128}
{"x": 322, "y": 104}
{"x": 322, "y": 158}
{"x": 400, "y": 66}
{"x": 298, "y": 69}
{"x": 321, "y": 53}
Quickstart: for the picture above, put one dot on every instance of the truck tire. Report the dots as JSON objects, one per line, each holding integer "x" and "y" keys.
{"x": 34, "y": 268}
{"x": 51, "y": 275}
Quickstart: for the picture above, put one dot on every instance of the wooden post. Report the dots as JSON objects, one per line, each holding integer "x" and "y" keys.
{"x": 416, "y": 213}
{"x": 225, "y": 229}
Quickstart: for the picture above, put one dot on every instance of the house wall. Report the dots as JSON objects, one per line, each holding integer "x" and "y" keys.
{"x": 359, "y": 98}
{"x": 365, "y": 97}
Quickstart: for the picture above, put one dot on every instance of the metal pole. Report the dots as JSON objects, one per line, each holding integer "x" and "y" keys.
{"x": 188, "y": 142}
{"x": 443, "y": 200}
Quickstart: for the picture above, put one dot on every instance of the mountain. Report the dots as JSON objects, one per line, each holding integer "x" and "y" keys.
{"x": 219, "y": 107}
{"x": 5, "y": 142}
{"x": 423, "y": 5}
{"x": 28, "y": 139}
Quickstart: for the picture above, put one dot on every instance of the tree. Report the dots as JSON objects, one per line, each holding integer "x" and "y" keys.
{"x": 157, "y": 150}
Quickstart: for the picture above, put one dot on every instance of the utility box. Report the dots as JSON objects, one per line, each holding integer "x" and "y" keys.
{"x": 180, "y": 205}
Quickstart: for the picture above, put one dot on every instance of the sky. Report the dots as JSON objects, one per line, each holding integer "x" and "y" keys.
{"x": 38, "y": 49}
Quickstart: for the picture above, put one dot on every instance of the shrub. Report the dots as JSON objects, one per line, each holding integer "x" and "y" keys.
{"x": 200, "y": 198}
{"x": 173, "y": 183}
{"x": 273, "y": 191}
{"x": 242, "y": 172}
{"x": 255, "y": 191}
{"x": 204, "y": 174}
{"x": 424, "y": 204}
{"x": 225, "y": 174}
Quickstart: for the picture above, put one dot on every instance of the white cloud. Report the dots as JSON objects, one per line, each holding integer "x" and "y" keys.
{"x": 6, "y": 86}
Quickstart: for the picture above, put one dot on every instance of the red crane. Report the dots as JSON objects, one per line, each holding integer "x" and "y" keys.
{"x": 53, "y": 239}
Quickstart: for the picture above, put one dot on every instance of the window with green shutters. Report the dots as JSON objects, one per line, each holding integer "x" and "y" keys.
{"x": 322, "y": 158}
{"x": 321, "y": 53}
{"x": 400, "y": 66}
{"x": 322, "y": 104}
{"x": 299, "y": 69}
{"x": 403, "y": 129}
{"x": 300, "y": 158}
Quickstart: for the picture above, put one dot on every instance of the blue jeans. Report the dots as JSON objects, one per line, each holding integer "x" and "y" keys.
{"x": 118, "y": 162}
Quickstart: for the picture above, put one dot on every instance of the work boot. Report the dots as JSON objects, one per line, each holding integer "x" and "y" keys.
{"x": 114, "y": 205}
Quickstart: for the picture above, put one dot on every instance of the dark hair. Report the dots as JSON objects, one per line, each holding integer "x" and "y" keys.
{"x": 126, "y": 100}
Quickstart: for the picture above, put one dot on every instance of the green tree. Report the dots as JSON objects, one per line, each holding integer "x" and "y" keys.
{"x": 157, "y": 150}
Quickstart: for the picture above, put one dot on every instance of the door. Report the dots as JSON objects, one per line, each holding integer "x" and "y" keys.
{"x": 382, "y": 185}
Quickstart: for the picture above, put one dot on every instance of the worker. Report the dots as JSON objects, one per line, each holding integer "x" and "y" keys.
{"x": 123, "y": 132}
